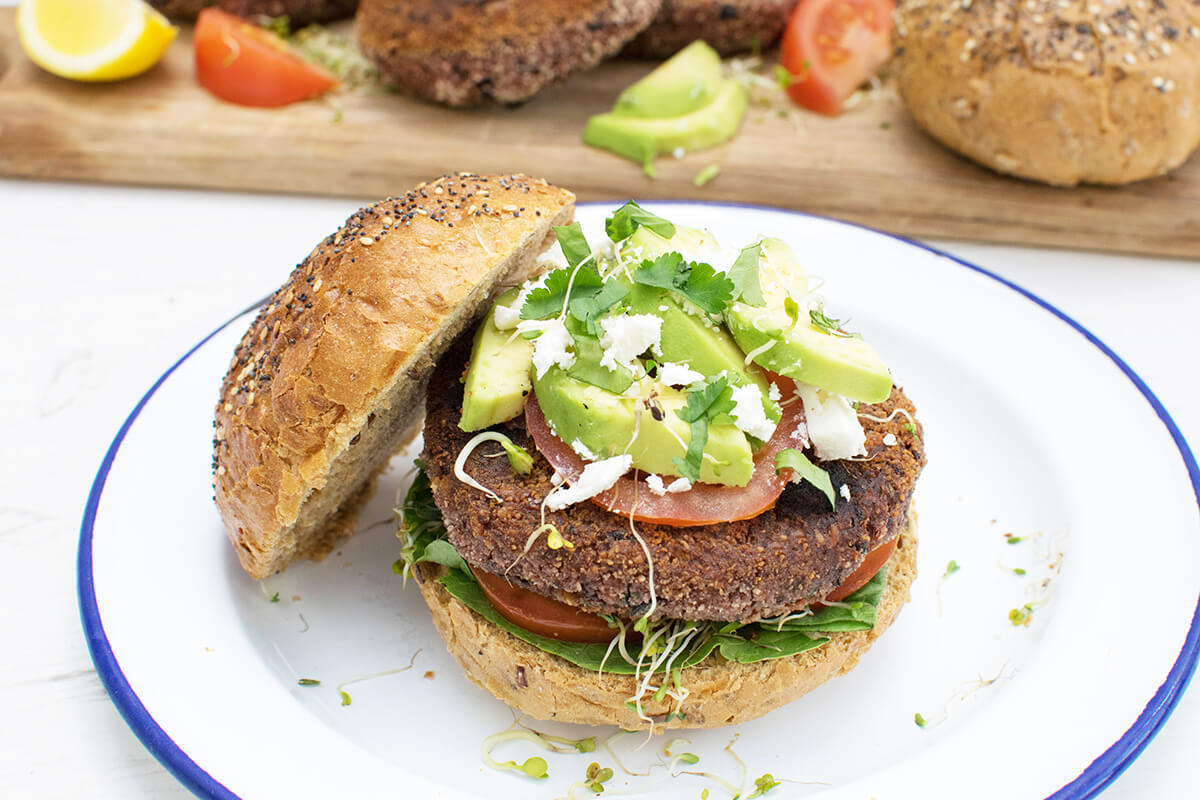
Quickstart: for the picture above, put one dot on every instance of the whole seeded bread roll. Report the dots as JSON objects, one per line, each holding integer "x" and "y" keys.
{"x": 464, "y": 52}
{"x": 720, "y": 692}
{"x": 1060, "y": 91}
{"x": 329, "y": 380}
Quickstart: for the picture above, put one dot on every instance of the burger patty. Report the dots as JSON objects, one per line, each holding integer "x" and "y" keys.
{"x": 470, "y": 52}
{"x": 298, "y": 12}
{"x": 796, "y": 552}
{"x": 729, "y": 26}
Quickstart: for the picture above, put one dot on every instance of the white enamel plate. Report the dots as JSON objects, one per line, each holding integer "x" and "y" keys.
{"x": 1059, "y": 495}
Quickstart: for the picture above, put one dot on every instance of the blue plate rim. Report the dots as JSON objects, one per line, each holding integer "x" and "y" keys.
{"x": 1101, "y": 772}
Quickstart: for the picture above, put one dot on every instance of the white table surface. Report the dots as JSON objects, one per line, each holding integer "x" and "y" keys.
{"x": 105, "y": 287}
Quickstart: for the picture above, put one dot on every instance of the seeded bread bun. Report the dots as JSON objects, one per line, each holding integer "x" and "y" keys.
{"x": 720, "y": 692}
{"x": 464, "y": 53}
{"x": 328, "y": 382}
{"x": 1060, "y": 92}
{"x": 729, "y": 26}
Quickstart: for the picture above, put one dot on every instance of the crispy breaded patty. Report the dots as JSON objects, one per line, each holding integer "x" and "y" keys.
{"x": 468, "y": 52}
{"x": 729, "y": 26}
{"x": 738, "y": 571}
{"x": 298, "y": 12}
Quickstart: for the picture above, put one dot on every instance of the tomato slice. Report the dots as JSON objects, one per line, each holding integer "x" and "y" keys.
{"x": 703, "y": 504}
{"x": 542, "y": 615}
{"x": 832, "y": 46}
{"x": 245, "y": 64}
{"x": 866, "y": 570}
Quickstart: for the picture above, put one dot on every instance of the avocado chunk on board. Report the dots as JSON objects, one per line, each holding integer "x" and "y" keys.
{"x": 497, "y": 382}
{"x": 605, "y": 423}
{"x": 643, "y": 138}
{"x": 683, "y": 83}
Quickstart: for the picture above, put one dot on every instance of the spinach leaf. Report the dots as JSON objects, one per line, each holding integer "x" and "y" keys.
{"x": 573, "y": 243}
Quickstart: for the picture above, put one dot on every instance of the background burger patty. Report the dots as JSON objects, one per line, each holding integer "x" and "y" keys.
{"x": 298, "y": 12}
{"x": 736, "y": 571}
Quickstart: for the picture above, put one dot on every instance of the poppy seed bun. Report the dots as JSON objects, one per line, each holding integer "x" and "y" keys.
{"x": 721, "y": 692}
{"x": 464, "y": 53}
{"x": 728, "y": 26}
{"x": 328, "y": 381}
{"x": 1056, "y": 91}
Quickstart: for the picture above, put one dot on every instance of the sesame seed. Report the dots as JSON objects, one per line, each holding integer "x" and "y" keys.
{"x": 1157, "y": 82}
{"x": 1166, "y": 49}
{"x": 1130, "y": 58}
{"x": 1037, "y": 19}
{"x": 1077, "y": 55}
{"x": 1168, "y": 85}
{"x": 387, "y": 220}
{"x": 366, "y": 241}
{"x": 969, "y": 44}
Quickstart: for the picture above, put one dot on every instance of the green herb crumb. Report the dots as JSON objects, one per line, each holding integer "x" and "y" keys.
{"x": 707, "y": 174}
{"x": 308, "y": 682}
{"x": 1022, "y": 615}
{"x": 951, "y": 568}
{"x": 920, "y": 720}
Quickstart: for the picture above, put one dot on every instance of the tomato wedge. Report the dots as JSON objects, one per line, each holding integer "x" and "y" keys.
{"x": 832, "y": 46}
{"x": 542, "y": 615}
{"x": 704, "y": 504}
{"x": 241, "y": 63}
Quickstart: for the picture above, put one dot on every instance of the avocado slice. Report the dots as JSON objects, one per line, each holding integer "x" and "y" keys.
{"x": 641, "y": 139}
{"x": 688, "y": 339}
{"x": 683, "y": 83}
{"x": 687, "y": 241}
{"x": 498, "y": 381}
{"x": 605, "y": 423}
{"x": 844, "y": 365}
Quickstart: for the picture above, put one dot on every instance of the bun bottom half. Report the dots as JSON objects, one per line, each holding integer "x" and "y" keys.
{"x": 721, "y": 692}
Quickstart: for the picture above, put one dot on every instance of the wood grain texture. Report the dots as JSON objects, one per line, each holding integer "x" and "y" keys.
{"x": 871, "y": 165}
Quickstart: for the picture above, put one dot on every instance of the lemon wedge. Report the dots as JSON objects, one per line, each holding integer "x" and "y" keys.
{"x": 93, "y": 40}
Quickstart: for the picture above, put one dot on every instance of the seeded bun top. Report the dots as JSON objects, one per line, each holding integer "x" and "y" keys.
{"x": 1060, "y": 91}
{"x": 329, "y": 379}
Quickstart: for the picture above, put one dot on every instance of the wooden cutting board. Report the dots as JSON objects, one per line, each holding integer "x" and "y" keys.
{"x": 870, "y": 166}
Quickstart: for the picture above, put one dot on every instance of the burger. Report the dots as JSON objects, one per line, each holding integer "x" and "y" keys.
{"x": 660, "y": 487}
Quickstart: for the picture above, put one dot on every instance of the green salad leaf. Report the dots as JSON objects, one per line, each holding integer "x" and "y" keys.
{"x": 797, "y": 462}
{"x": 629, "y": 217}
{"x": 744, "y": 275}
{"x": 705, "y": 402}
{"x": 573, "y": 243}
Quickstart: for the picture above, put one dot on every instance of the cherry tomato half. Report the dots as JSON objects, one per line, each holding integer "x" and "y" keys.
{"x": 832, "y": 46}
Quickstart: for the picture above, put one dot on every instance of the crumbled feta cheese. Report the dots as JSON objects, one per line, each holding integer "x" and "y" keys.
{"x": 583, "y": 450}
{"x": 552, "y": 347}
{"x": 655, "y": 482}
{"x": 833, "y": 426}
{"x": 889, "y": 439}
{"x": 845, "y": 492}
{"x": 597, "y": 477}
{"x": 773, "y": 392}
{"x": 507, "y": 317}
{"x": 679, "y": 485}
{"x": 675, "y": 374}
{"x": 748, "y": 415}
{"x": 627, "y": 336}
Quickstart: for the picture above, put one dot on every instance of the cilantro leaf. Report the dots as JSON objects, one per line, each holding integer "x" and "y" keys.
{"x": 797, "y": 462}
{"x": 697, "y": 281}
{"x": 744, "y": 275}
{"x": 710, "y": 399}
{"x": 629, "y": 217}
{"x": 573, "y": 243}
{"x": 587, "y": 308}
{"x": 548, "y": 300}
